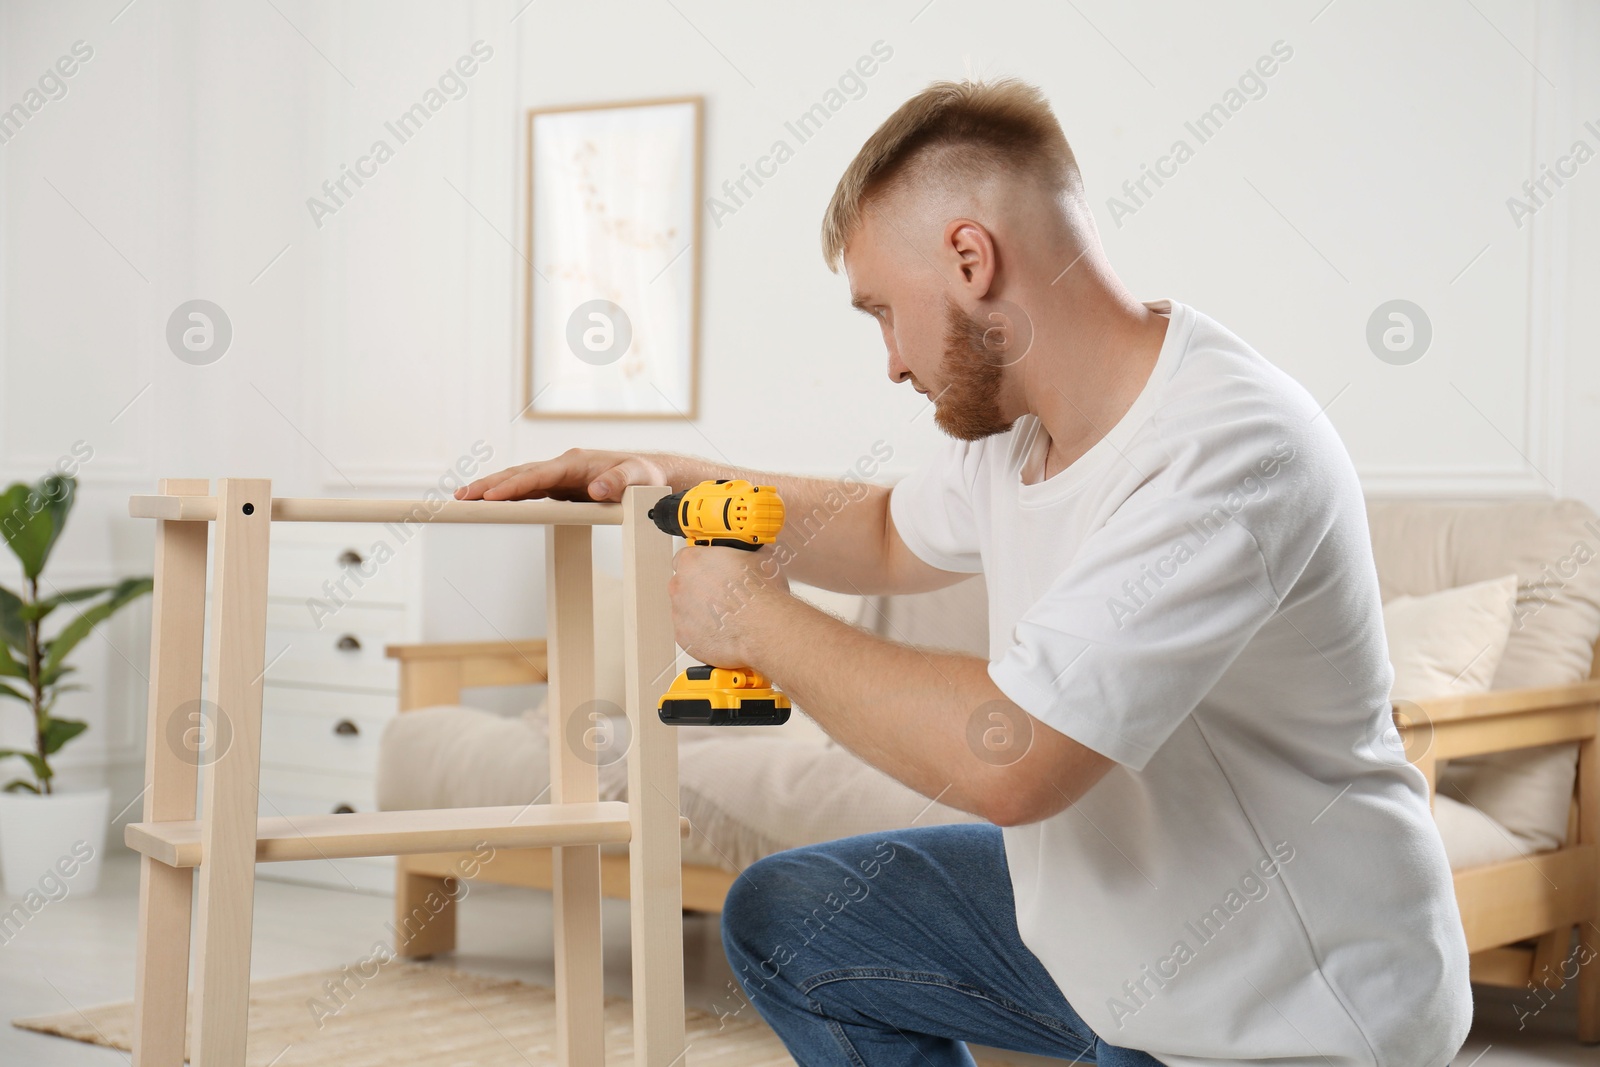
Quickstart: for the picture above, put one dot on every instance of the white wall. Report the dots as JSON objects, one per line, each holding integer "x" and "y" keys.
{"x": 371, "y": 352}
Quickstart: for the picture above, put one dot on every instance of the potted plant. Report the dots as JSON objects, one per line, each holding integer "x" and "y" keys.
{"x": 46, "y": 833}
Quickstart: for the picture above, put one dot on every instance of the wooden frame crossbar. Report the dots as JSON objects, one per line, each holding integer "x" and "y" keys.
{"x": 202, "y": 508}
{"x": 215, "y": 743}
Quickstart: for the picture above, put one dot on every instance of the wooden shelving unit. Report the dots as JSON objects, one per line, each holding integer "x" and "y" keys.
{"x": 216, "y": 847}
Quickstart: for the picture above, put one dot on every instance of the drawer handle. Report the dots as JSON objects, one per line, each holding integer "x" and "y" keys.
{"x": 346, "y": 728}
{"x": 351, "y": 558}
{"x": 344, "y": 809}
{"x": 348, "y": 643}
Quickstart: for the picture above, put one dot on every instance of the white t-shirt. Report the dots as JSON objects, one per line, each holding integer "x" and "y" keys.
{"x": 1195, "y": 598}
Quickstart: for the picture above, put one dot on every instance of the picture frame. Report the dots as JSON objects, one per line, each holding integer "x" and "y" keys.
{"x": 612, "y": 298}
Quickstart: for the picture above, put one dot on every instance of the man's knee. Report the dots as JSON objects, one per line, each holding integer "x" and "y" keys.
{"x": 754, "y": 914}
{"x": 758, "y": 918}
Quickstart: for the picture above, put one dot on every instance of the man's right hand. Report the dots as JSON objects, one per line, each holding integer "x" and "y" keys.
{"x": 583, "y": 474}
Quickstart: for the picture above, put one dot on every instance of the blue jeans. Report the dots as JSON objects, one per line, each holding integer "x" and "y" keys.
{"x": 896, "y": 948}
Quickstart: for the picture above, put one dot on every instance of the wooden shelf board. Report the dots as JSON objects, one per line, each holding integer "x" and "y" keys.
{"x": 398, "y": 833}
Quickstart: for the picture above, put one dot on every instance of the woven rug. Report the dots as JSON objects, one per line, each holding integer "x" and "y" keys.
{"x": 425, "y": 1015}
{"x": 429, "y": 1016}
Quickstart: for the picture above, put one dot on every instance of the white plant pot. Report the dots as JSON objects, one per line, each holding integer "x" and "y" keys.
{"x": 51, "y": 845}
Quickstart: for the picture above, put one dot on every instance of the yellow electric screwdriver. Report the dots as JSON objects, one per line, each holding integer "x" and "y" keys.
{"x": 730, "y": 513}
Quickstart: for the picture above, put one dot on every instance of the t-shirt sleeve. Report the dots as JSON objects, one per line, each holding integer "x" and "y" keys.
{"x": 1156, "y": 604}
{"x": 932, "y": 510}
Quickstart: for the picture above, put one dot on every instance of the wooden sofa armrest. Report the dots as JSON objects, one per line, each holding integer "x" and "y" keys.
{"x": 432, "y": 674}
{"x": 1504, "y": 702}
{"x": 1501, "y": 721}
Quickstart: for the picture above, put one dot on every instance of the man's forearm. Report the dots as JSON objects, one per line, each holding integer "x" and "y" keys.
{"x": 904, "y": 710}
{"x": 936, "y": 721}
{"x": 835, "y": 531}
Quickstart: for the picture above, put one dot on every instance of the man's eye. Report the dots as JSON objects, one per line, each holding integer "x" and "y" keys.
{"x": 881, "y": 313}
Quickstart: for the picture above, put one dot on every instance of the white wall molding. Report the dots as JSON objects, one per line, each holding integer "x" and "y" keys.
{"x": 1555, "y": 123}
{"x": 1552, "y": 126}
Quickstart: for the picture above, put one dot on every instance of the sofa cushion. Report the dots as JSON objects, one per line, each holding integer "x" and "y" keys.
{"x": 1423, "y": 547}
{"x": 1473, "y": 839}
{"x": 459, "y": 757}
{"x": 1449, "y": 643}
{"x": 1551, "y": 545}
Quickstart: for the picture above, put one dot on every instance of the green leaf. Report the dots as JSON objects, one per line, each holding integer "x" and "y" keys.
{"x": 40, "y": 609}
{"x": 48, "y": 679}
{"x": 12, "y": 630}
{"x": 18, "y": 785}
{"x": 10, "y": 691}
{"x": 40, "y": 767}
{"x": 58, "y": 732}
{"x": 32, "y": 517}
{"x": 9, "y": 667}
{"x": 79, "y": 628}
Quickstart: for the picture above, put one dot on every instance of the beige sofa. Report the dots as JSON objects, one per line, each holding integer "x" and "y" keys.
{"x": 1508, "y": 804}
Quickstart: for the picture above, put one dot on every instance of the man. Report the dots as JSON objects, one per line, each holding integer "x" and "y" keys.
{"x": 1205, "y": 847}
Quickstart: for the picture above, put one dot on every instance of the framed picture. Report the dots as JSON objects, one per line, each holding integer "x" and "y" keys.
{"x": 612, "y": 317}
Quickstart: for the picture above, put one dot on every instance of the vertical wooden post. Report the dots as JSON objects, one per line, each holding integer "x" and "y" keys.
{"x": 1589, "y": 834}
{"x": 1551, "y": 948}
{"x": 177, "y": 631}
{"x": 575, "y": 779}
{"x": 1588, "y": 788}
{"x": 231, "y": 771}
{"x": 655, "y": 872}
{"x": 424, "y": 913}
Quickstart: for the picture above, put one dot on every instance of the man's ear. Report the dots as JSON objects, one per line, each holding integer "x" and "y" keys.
{"x": 972, "y": 246}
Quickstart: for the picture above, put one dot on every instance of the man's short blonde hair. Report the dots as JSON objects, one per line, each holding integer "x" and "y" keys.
{"x": 960, "y": 130}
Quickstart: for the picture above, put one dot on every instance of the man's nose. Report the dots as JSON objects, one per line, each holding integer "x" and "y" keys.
{"x": 898, "y": 371}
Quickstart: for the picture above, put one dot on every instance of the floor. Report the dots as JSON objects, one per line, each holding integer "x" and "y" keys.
{"x": 80, "y": 952}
